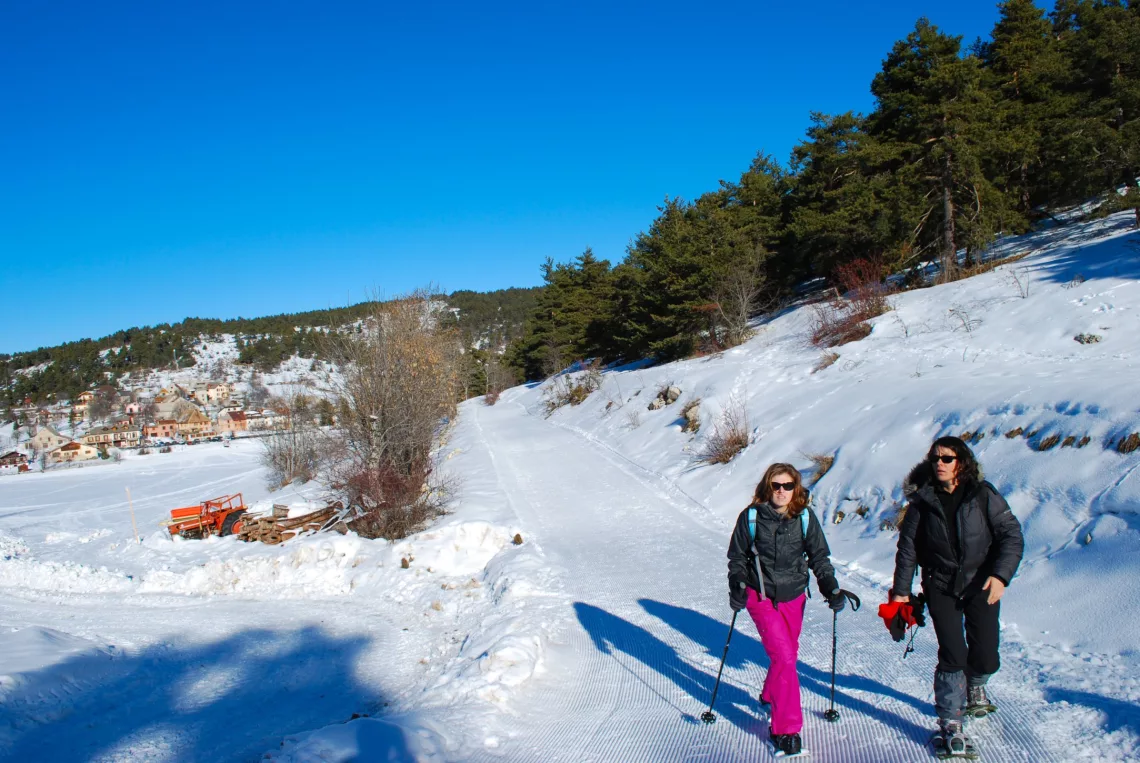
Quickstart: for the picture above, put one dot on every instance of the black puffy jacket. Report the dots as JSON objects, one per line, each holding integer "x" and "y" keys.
{"x": 989, "y": 538}
{"x": 781, "y": 545}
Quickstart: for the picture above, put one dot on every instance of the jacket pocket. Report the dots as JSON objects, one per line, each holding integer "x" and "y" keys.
{"x": 938, "y": 579}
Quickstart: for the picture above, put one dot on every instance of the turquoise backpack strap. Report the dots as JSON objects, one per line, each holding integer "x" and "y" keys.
{"x": 755, "y": 555}
{"x": 805, "y": 519}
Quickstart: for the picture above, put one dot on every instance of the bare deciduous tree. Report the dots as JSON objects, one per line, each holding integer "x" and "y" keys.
{"x": 399, "y": 382}
{"x": 101, "y": 406}
{"x": 293, "y": 450}
{"x": 258, "y": 392}
{"x": 499, "y": 378}
{"x": 738, "y": 294}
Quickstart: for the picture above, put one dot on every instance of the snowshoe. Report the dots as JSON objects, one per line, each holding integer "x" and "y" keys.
{"x": 950, "y": 743}
{"x": 978, "y": 704}
{"x": 787, "y": 746}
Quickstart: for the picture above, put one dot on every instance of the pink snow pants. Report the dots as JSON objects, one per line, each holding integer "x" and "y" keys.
{"x": 779, "y": 629}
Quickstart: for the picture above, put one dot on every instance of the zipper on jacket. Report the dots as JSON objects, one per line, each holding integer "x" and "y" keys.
{"x": 775, "y": 563}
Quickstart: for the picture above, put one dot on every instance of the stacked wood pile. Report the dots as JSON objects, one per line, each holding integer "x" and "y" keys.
{"x": 278, "y": 526}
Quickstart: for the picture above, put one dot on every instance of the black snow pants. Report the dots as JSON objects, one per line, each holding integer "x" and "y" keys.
{"x": 967, "y": 631}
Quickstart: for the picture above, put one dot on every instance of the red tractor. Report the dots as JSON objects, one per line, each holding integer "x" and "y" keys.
{"x": 217, "y": 516}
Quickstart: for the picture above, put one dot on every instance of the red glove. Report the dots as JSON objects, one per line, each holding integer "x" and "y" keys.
{"x": 889, "y": 611}
{"x": 900, "y": 615}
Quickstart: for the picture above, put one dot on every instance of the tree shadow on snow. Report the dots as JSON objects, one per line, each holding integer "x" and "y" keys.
{"x": 1119, "y": 714}
{"x": 610, "y": 633}
{"x": 1114, "y": 258}
{"x": 232, "y": 699}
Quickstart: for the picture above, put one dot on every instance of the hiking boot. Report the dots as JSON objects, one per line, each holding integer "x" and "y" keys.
{"x": 978, "y": 704}
{"x": 954, "y": 741}
{"x": 788, "y": 744}
{"x": 977, "y": 696}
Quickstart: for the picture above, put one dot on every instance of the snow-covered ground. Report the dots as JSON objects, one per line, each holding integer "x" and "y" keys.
{"x": 598, "y": 637}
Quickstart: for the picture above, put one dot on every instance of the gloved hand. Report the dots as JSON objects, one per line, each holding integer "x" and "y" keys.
{"x": 838, "y": 600}
{"x": 891, "y": 618}
{"x": 900, "y": 615}
{"x": 737, "y": 593}
{"x": 917, "y": 604}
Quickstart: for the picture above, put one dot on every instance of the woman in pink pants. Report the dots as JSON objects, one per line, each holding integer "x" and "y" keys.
{"x": 776, "y": 539}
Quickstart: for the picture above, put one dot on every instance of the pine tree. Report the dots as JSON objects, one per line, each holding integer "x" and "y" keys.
{"x": 933, "y": 117}
{"x": 1024, "y": 67}
{"x": 837, "y": 213}
{"x": 562, "y": 328}
{"x": 1101, "y": 40}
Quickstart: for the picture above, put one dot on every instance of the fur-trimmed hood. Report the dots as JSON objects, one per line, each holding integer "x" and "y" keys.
{"x": 922, "y": 475}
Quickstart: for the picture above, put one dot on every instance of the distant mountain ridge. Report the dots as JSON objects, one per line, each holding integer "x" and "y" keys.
{"x": 484, "y": 319}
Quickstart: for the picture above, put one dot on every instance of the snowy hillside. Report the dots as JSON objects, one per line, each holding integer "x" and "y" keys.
{"x": 598, "y": 637}
{"x": 215, "y": 359}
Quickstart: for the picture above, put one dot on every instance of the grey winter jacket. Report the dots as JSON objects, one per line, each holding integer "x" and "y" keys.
{"x": 989, "y": 538}
{"x": 781, "y": 545}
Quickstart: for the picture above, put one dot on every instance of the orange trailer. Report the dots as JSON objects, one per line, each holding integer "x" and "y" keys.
{"x": 217, "y": 516}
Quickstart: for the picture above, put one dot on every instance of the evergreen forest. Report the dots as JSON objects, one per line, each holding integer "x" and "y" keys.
{"x": 965, "y": 143}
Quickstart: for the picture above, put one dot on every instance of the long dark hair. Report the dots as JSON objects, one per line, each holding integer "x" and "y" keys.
{"x": 969, "y": 472}
{"x": 763, "y": 492}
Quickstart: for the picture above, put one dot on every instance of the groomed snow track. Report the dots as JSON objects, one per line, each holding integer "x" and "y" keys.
{"x": 645, "y": 569}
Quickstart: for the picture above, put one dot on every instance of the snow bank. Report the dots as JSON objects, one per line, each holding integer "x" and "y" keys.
{"x": 334, "y": 565}
{"x": 322, "y": 566}
{"x": 42, "y": 668}
{"x": 20, "y": 570}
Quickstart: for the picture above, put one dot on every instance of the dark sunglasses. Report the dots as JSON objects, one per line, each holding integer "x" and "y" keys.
{"x": 943, "y": 459}
{"x": 789, "y": 486}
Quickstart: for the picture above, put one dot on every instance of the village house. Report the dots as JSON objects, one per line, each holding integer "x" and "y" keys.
{"x": 79, "y": 404}
{"x": 113, "y": 436}
{"x": 46, "y": 439}
{"x": 14, "y": 460}
{"x": 163, "y": 429}
{"x": 170, "y": 405}
{"x": 193, "y": 423}
{"x": 72, "y": 451}
{"x": 211, "y": 392}
{"x": 230, "y": 421}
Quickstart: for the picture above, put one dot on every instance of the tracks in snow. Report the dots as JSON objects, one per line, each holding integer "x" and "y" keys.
{"x": 647, "y": 621}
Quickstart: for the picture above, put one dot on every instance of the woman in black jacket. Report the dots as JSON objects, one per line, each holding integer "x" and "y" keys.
{"x": 768, "y": 560}
{"x": 962, "y": 534}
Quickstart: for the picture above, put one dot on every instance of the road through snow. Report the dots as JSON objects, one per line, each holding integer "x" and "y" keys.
{"x": 644, "y": 568}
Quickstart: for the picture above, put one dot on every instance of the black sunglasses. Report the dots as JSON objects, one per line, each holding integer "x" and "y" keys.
{"x": 943, "y": 459}
{"x": 789, "y": 486}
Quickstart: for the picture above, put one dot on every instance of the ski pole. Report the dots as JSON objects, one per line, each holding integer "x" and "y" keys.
{"x": 707, "y": 716}
{"x": 910, "y": 643}
{"x": 832, "y": 715}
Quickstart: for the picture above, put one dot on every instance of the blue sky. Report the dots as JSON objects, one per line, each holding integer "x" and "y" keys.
{"x": 162, "y": 160}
